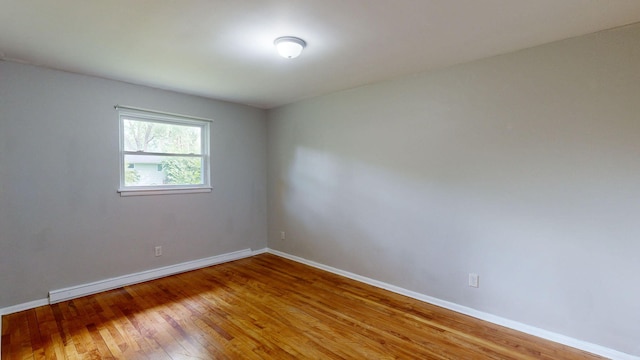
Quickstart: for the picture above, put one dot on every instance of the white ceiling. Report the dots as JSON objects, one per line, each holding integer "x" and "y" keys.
{"x": 223, "y": 49}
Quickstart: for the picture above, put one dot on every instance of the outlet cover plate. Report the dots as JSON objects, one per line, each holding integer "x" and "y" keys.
{"x": 474, "y": 280}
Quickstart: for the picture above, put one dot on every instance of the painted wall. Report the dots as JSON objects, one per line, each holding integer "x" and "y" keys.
{"x": 62, "y": 223}
{"x": 524, "y": 168}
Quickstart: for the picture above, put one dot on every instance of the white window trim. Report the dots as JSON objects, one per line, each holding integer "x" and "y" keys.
{"x": 153, "y": 115}
{"x": 129, "y": 192}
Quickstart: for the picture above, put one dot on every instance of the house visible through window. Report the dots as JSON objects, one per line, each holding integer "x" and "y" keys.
{"x": 162, "y": 153}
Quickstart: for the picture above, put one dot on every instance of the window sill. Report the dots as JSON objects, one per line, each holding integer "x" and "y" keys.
{"x": 145, "y": 192}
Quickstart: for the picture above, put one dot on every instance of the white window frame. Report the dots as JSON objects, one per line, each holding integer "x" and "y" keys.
{"x": 128, "y": 112}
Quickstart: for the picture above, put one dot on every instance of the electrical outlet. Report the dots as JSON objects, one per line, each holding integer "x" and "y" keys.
{"x": 474, "y": 280}
{"x": 158, "y": 250}
{"x": 282, "y": 235}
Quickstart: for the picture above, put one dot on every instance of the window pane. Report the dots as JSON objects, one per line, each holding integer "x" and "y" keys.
{"x": 161, "y": 137}
{"x": 151, "y": 170}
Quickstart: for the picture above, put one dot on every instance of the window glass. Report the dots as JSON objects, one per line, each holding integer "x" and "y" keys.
{"x": 162, "y": 151}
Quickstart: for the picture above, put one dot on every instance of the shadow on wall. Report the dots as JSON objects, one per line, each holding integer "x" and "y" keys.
{"x": 430, "y": 233}
{"x": 522, "y": 168}
{"x": 531, "y": 210}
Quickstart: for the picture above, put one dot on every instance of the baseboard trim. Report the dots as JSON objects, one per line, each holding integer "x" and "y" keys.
{"x": 531, "y": 330}
{"x": 73, "y": 292}
{"x": 24, "y": 306}
{"x": 56, "y": 296}
{"x": 260, "y": 251}
{"x": 20, "y": 307}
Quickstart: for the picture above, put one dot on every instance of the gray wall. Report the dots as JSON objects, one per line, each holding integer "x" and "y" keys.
{"x": 62, "y": 222}
{"x": 524, "y": 168}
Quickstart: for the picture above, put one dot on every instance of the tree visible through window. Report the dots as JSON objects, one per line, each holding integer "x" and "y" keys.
{"x": 162, "y": 151}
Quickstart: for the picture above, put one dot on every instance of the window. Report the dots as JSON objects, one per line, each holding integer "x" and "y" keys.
{"x": 162, "y": 153}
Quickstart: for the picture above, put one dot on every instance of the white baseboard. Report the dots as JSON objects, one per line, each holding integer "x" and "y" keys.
{"x": 24, "y": 306}
{"x": 531, "y": 330}
{"x": 260, "y": 251}
{"x": 20, "y": 307}
{"x": 73, "y": 292}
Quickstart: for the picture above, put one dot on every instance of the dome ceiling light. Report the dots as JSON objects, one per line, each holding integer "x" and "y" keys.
{"x": 289, "y": 47}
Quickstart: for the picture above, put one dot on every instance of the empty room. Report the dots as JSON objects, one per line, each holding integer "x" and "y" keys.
{"x": 359, "y": 179}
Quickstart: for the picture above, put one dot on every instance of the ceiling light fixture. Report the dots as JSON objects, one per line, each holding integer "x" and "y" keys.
{"x": 289, "y": 47}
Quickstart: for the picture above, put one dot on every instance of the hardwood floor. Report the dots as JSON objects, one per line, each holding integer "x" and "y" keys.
{"x": 264, "y": 307}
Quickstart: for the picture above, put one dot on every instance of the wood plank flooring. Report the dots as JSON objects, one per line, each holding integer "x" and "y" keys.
{"x": 264, "y": 307}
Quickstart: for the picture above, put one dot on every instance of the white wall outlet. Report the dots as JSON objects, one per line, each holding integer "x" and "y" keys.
{"x": 158, "y": 250}
{"x": 474, "y": 280}
{"x": 282, "y": 235}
